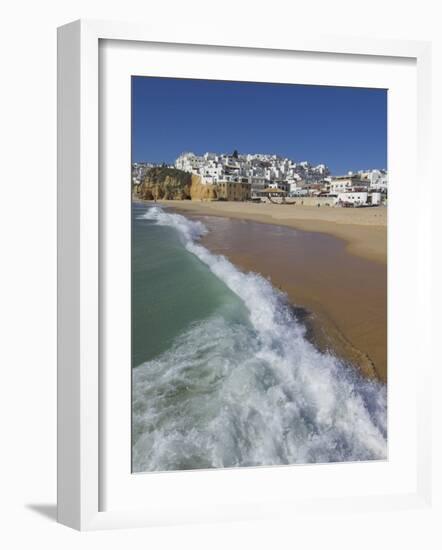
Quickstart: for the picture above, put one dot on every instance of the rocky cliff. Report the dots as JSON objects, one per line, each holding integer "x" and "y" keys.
{"x": 163, "y": 183}
{"x": 201, "y": 191}
{"x": 172, "y": 184}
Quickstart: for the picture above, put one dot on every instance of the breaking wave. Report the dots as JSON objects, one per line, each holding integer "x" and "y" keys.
{"x": 231, "y": 393}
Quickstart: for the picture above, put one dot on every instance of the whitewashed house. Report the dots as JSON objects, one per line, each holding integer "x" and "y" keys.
{"x": 281, "y": 185}
{"x": 376, "y": 198}
{"x": 341, "y": 184}
{"x": 356, "y": 198}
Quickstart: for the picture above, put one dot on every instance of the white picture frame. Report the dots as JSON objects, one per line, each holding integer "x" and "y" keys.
{"x": 80, "y": 394}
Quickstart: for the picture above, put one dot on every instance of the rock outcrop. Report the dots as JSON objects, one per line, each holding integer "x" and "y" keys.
{"x": 164, "y": 183}
{"x": 201, "y": 191}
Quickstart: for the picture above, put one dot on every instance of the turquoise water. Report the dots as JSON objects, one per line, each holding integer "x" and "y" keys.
{"x": 171, "y": 289}
{"x": 223, "y": 374}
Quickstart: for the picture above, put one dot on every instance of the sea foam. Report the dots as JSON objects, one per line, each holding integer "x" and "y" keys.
{"x": 247, "y": 394}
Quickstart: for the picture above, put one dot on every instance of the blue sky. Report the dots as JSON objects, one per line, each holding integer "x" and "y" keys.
{"x": 345, "y": 128}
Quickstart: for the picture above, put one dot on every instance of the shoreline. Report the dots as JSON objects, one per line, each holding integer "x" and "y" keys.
{"x": 232, "y": 352}
{"x": 339, "y": 293}
{"x": 339, "y": 297}
{"x": 364, "y": 230}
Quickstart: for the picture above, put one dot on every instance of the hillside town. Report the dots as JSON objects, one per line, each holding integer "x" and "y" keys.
{"x": 272, "y": 178}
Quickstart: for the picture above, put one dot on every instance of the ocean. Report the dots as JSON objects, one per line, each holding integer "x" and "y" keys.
{"x": 223, "y": 374}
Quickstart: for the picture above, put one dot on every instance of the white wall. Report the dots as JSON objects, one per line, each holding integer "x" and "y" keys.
{"x": 353, "y": 197}
{"x": 28, "y": 296}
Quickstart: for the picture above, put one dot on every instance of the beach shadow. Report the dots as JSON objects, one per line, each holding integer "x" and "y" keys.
{"x": 49, "y": 511}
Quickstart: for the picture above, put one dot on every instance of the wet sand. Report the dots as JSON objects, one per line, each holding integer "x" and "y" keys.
{"x": 341, "y": 297}
{"x": 364, "y": 230}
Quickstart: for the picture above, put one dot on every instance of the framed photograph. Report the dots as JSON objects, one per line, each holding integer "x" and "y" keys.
{"x": 244, "y": 274}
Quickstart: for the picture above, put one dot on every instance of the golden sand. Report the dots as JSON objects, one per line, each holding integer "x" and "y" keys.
{"x": 363, "y": 229}
{"x": 337, "y": 280}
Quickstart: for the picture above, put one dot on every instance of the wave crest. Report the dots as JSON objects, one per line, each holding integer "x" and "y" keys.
{"x": 229, "y": 394}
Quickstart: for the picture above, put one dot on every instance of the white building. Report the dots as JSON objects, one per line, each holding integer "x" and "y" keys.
{"x": 359, "y": 198}
{"x": 355, "y": 198}
{"x": 189, "y": 162}
{"x": 282, "y": 185}
{"x": 378, "y": 179}
{"x": 263, "y": 171}
{"x": 342, "y": 184}
{"x": 258, "y": 169}
{"x": 294, "y": 186}
{"x": 380, "y": 182}
{"x": 299, "y": 192}
{"x": 376, "y": 198}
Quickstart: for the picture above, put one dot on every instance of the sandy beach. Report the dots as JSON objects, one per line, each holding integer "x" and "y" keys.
{"x": 224, "y": 373}
{"x": 333, "y": 269}
{"x": 258, "y": 326}
{"x": 364, "y": 230}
